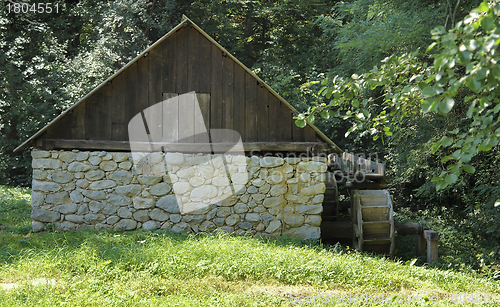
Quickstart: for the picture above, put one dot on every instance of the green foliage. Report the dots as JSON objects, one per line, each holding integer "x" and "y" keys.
{"x": 49, "y": 61}
{"x": 463, "y": 74}
{"x": 363, "y": 32}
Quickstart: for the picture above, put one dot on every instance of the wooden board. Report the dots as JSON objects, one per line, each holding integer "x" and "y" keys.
{"x": 373, "y": 200}
{"x": 65, "y": 127}
{"x": 91, "y": 120}
{"x": 262, "y": 114}
{"x": 78, "y": 128}
{"x": 374, "y": 213}
{"x": 298, "y": 134}
{"x": 182, "y": 62}
{"x": 186, "y": 118}
{"x": 227, "y": 96}
{"x": 171, "y": 118}
{"x": 169, "y": 64}
{"x": 203, "y": 119}
{"x": 239, "y": 101}
{"x": 376, "y": 229}
{"x": 104, "y": 111}
{"x": 251, "y": 109}
{"x": 141, "y": 102}
{"x": 286, "y": 124}
{"x": 119, "y": 125}
{"x": 130, "y": 76}
{"x": 205, "y": 54}
{"x": 310, "y": 134}
{"x": 155, "y": 58}
{"x": 185, "y": 147}
{"x": 275, "y": 118}
{"x": 216, "y": 89}
{"x": 193, "y": 60}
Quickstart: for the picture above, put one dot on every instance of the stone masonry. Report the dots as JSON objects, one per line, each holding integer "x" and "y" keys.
{"x": 267, "y": 196}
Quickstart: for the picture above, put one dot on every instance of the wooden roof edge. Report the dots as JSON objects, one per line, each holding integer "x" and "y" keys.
{"x": 176, "y": 28}
{"x": 82, "y": 144}
{"x": 321, "y": 134}
{"x": 39, "y": 132}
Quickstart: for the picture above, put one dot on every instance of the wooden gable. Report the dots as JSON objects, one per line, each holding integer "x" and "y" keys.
{"x": 184, "y": 60}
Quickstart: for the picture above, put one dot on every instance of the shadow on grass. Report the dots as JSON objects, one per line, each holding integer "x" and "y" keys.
{"x": 16, "y": 242}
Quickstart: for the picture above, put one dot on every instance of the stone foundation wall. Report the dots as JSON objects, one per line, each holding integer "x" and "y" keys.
{"x": 268, "y": 196}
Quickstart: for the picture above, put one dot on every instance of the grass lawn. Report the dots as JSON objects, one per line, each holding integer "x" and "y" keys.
{"x": 88, "y": 268}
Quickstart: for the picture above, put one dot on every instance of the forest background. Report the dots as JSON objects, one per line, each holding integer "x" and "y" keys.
{"x": 320, "y": 56}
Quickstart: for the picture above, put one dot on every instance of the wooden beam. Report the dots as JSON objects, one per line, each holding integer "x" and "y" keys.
{"x": 432, "y": 245}
{"x": 182, "y": 147}
{"x": 408, "y": 228}
{"x": 365, "y": 185}
{"x": 421, "y": 244}
{"x": 343, "y": 229}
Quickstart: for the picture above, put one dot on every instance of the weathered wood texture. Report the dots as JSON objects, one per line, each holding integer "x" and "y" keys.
{"x": 185, "y": 61}
{"x": 203, "y": 147}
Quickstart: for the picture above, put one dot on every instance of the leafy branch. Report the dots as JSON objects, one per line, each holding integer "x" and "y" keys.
{"x": 465, "y": 71}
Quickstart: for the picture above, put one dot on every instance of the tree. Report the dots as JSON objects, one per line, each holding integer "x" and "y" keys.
{"x": 48, "y": 61}
{"x": 463, "y": 75}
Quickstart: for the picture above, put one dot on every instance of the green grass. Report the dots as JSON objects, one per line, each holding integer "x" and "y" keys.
{"x": 160, "y": 268}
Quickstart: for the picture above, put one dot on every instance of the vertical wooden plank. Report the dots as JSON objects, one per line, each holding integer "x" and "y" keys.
{"x": 310, "y": 134}
{"x": 193, "y": 57}
{"x": 119, "y": 125}
{"x": 250, "y": 108}
{"x": 202, "y": 112}
{"x": 182, "y": 61}
{"x": 239, "y": 100}
{"x": 186, "y": 118}
{"x": 227, "y": 96}
{"x": 105, "y": 95}
{"x": 205, "y": 54}
{"x": 155, "y": 59}
{"x": 141, "y": 83}
{"x": 262, "y": 114}
{"x": 130, "y": 89}
{"x": 275, "y": 118}
{"x": 170, "y": 118}
{"x": 78, "y": 129}
{"x": 168, "y": 65}
{"x": 91, "y": 119}
{"x": 298, "y": 134}
{"x": 216, "y": 89}
{"x": 204, "y": 103}
{"x": 137, "y": 89}
{"x": 154, "y": 113}
{"x": 286, "y": 127}
{"x": 63, "y": 127}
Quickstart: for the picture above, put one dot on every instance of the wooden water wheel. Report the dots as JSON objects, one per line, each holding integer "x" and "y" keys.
{"x": 331, "y": 200}
{"x": 373, "y": 222}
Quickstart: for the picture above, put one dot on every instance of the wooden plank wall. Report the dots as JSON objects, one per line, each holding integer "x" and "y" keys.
{"x": 184, "y": 62}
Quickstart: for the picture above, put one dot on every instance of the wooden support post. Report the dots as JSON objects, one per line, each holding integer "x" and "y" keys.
{"x": 432, "y": 245}
{"x": 421, "y": 244}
